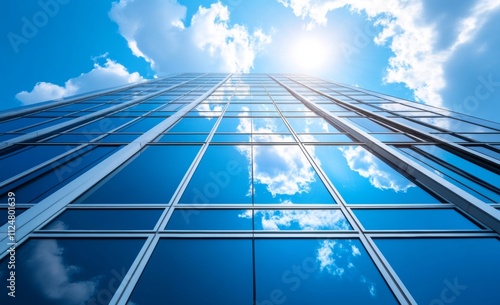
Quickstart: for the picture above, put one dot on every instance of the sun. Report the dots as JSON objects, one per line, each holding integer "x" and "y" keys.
{"x": 309, "y": 54}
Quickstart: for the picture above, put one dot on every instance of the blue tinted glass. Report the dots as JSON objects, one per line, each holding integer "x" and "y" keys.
{"x": 413, "y": 219}
{"x": 194, "y": 125}
{"x": 369, "y": 125}
{"x": 47, "y": 124}
{"x": 353, "y": 168}
{"x": 460, "y": 271}
{"x": 201, "y": 219}
{"x": 15, "y": 124}
{"x": 25, "y": 158}
{"x": 142, "y": 125}
{"x": 334, "y": 138}
{"x": 308, "y": 220}
{"x": 73, "y": 138}
{"x": 464, "y": 183}
{"x": 43, "y": 182}
{"x": 197, "y": 271}
{"x": 119, "y": 138}
{"x": 310, "y": 125}
{"x": 242, "y": 125}
{"x": 111, "y": 219}
{"x": 461, "y": 163}
{"x": 102, "y": 125}
{"x": 282, "y": 174}
{"x": 221, "y": 180}
{"x": 311, "y": 271}
{"x": 69, "y": 271}
{"x": 182, "y": 138}
{"x": 486, "y": 151}
{"x": 392, "y": 137}
{"x": 161, "y": 168}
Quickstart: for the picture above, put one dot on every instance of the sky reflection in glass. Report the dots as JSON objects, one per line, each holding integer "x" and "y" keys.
{"x": 221, "y": 180}
{"x": 461, "y": 271}
{"x": 312, "y": 271}
{"x": 353, "y": 168}
{"x": 158, "y": 180}
{"x": 204, "y": 219}
{"x": 62, "y": 271}
{"x": 197, "y": 271}
{"x": 306, "y": 220}
{"x": 282, "y": 174}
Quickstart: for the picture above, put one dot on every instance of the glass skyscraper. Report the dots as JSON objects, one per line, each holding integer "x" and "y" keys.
{"x": 247, "y": 189}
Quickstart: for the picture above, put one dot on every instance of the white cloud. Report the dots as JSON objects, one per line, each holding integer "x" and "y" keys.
{"x": 109, "y": 75}
{"x": 366, "y": 164}
{"x": 305, "y": 219}
{"x": 53, "y": 278}
{"x": 418, "y": 60}
{"x": 155, "y": 30}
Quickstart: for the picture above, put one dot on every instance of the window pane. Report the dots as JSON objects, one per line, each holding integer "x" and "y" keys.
{"x": 69, "y": 271}
{"x": 308, "y": 220}
{"x": 311, "y": 125}
{"x": 454, "y": 270}
{"x": 221, "y": 180}
{"x": 197, "y": 271}
{"x": 413, "y": 219}
{"x": 4, "y": 213}
{"x": 26, "y": 158}
{"x": 38, "y": 185}
{"x": 353, "y": 168}
{"x": 191, "y": 219}
{"x": 111, "y": 219}
{"x": 282, "y": 174}
{"x": 161, "y": 169}
{"x": 194, "y": 125}
{"x": 311, "y": 271}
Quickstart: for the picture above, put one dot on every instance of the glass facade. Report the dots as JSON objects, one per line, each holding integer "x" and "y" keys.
{"x": 247, "y": 189}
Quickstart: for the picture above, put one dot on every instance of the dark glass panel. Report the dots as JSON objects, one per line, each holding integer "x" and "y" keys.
{"x": 109, "y": 219}
{"x": 69, "y": 271}
{"x": 197, "y": 271}
{"x": 460, "y": 271}
{"x": 160, "y": 169}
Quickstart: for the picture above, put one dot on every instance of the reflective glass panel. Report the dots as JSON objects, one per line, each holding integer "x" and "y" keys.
{"x": 26, "y": 158}
{"x": 109, "y": 219}
{"x": 460, "y": 271}
{"x": 282, "y": 174}
{"x": 160, "y": 169}
{"x": 203, "y": 219}
{"x": 312, "y": 271}
{"x": 194, "y": 125}
{"x": 142, "y": 125}
{"x": 221, "y": 180}
{"x": 303, "y": 220}
{"x": 197, "y": 271}
{"x": 43, "y": 182}
{"x": 361, "y": 177}
{"x": 413, "y": 219}
{"x": 69, "y": 271}
{"x": 308, "y": 124}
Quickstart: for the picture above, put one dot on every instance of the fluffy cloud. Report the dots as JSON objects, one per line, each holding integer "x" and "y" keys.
{"x": 109, "y": 75}
{"x": 156, "y": 31}
{"x": 421, "y": 49}
{"x": 54, "y": 278}
{"x": 366, "y": 164}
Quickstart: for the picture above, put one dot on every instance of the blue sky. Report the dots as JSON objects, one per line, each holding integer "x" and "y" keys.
{"x": 443, "y": 53}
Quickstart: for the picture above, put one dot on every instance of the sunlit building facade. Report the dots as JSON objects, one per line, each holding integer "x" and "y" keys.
{"x": 247, "y": 189}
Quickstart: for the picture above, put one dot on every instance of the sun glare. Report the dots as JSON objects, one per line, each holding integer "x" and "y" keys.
{"x": 309, "y": 54}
